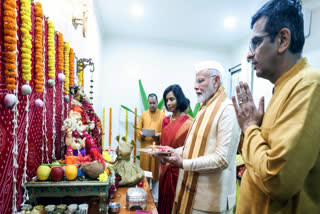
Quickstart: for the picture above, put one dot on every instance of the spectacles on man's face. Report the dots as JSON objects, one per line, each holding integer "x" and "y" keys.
{"x": 255, "y": 42}
{"x": 201, "y": 80}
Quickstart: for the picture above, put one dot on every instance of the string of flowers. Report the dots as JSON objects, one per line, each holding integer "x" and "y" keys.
{"x": 44, "y": 112}
{"x": 10, "y": 42}
{"x": 60, "y": 52}
{"x": 26, "y": 46}
{"x": 71, "y": 68}
{"x": 15, "y": 154}
{"x": 39, "y": 74}
{"x": 51, "y": 73}
{"x": 66, "y": 67}
{"x": 80, "y": 74}
{"x": 51, "y": 51}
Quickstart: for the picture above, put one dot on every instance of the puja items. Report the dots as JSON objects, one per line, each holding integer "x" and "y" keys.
{"x": 114, "y": 207}
{"x": 136, "y": 199}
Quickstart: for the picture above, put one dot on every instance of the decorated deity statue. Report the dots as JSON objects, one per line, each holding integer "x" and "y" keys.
{"x": 74, "y": 128}
{"x": 90, "y": 118}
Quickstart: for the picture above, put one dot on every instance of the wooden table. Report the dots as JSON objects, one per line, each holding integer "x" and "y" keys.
{"x": 39, "y": 189}
{"x": 120, "y": 197}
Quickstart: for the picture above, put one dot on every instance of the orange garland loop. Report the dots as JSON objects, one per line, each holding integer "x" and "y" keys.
{"x": 60, "y": 52}
{"x": 10, "y": 41}
{"x": 39, "y": 48}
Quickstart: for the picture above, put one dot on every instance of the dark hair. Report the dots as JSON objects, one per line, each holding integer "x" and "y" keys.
{"x": 188, "y": 102}
{"x": 283, "y": 14}
{"x": 178, "y": 93}
{"x": 153, "y": 95}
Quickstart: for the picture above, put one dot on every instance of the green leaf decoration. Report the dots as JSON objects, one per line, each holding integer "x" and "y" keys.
{"x": 190, "y": 113}
{"x": 160, "y": 104}
{"x": 126, "y": 108}
{"x": 196, "y": 109}
{"x": 143, "y": 96}
{"x": 138, "y": 157}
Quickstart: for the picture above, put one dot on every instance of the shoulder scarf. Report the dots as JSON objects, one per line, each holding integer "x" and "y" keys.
{"x": 184, "y": 200}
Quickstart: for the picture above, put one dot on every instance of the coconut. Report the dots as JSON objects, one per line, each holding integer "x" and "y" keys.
{"x": 93, "y": 169}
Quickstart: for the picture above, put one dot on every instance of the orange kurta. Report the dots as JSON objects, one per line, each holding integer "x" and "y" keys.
{"x": 149, "y": 120}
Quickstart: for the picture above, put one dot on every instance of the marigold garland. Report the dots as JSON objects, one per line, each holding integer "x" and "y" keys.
{"x": 38, "y": 48}
{"x": 26, "y": 46}
{"x": 80, "y": 74}
{"x": 10, "y": 41}
{"x": 60, "y": 52}
{"x": 66, "y": 67}
{"x": 71, "y": 68}
{"x": 51, "y": 51}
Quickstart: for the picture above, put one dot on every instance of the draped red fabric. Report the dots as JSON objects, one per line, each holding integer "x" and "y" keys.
{"x": 35, "y": 135}
{"x": 173, "y": 134}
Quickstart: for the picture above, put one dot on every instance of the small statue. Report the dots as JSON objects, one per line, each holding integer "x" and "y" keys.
{"x": 74, "y": 128}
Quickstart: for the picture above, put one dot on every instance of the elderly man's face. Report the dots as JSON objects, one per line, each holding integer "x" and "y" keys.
{"x": 204, "y": 86}
{"x": 152, "y": 101}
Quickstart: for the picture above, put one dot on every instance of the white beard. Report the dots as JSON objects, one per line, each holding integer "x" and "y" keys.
{"x": 209, "y": 92}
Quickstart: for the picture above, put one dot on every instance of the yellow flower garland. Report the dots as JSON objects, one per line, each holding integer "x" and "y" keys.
{"x": 51, "y": 51}
{"x": 71, "y": 68}
{"x": 66, "y": 67}
{"x": 38, "y": 48}
{"x": 80, "y": 74}
{"x": 60, "y": 52}
{"x": 10, "y": 42}
{"x": 26, "y": 46}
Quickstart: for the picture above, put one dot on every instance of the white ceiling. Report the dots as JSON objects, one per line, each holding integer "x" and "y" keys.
{"x": 197, "y": 22}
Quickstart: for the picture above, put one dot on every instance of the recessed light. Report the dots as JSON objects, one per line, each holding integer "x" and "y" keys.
{"x": 229, "y": 22}
{"x": 137, "y": 10}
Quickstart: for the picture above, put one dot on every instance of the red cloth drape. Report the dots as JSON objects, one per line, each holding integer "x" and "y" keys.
{"x": 35, "y": 124}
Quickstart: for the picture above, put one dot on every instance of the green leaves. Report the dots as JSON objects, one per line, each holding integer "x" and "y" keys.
{"x": 160, "y": 104}
{"x": 126, "y": 108}
{"x": 195, "y": 111}
{"x": 143, "y": 96}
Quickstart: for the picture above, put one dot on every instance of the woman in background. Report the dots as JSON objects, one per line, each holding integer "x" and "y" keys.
{"x": 174, "y": 132}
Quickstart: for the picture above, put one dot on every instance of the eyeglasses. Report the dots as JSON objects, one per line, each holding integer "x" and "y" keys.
{"x": 255, "y": 42}
{"x": 201, "y": 80}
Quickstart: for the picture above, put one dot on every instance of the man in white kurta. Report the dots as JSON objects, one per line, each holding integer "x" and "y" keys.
{"x": 207, "y": 183}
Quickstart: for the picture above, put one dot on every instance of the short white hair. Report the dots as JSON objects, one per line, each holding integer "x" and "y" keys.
{"x": 212, "y": 67}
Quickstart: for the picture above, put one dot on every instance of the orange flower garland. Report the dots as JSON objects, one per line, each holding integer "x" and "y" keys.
{"x": 38, "y": 48}
{"x": 60, "y": 52}
{"x": 10, "y": 42}
{"x": 66, "y": 67}
{"x": 26, "y": 46}
{"x": 71, "y": 68}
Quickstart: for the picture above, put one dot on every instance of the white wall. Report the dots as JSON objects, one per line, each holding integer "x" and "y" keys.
{"x": 262, "y": 87}
{"x": 312, "y": 46}
{"x": 157, "y": 64}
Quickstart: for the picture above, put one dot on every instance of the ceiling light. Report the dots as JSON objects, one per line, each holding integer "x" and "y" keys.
{"x": 230, "y": 22}
{"x": 137, "y": 10}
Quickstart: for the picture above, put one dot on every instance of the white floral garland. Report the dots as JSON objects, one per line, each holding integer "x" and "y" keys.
{"x": 15, "y": 153}
{"x": 24, "y": 176}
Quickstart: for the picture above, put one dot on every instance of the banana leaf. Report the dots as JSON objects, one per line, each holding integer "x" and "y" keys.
{"x": 143, "y": 96}
{"x": 126, "y": 108}
{"x": 190, "y": 113}
{"x": 196, "y": 109}
{"x": 160, "y": 104}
